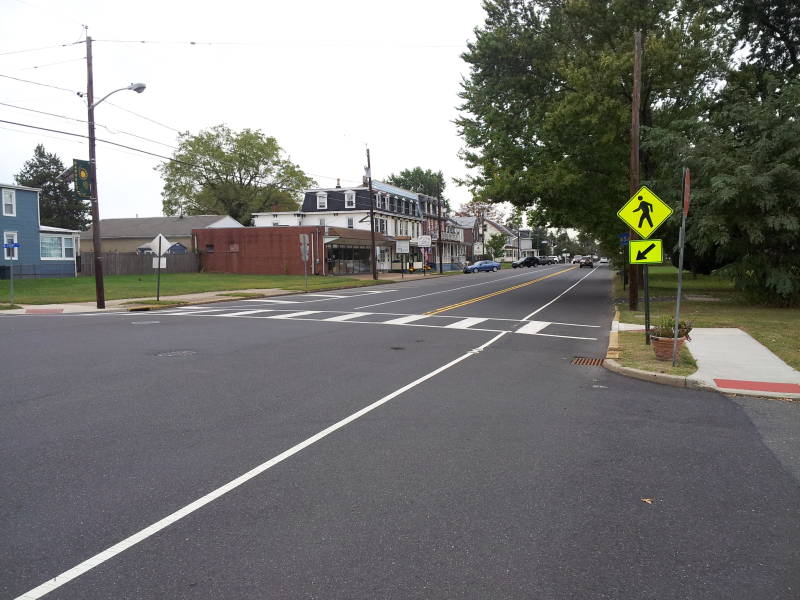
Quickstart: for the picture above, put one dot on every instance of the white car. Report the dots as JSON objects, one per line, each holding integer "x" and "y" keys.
{"x": 576, "y": 259}
{"x": 603, "y": 260}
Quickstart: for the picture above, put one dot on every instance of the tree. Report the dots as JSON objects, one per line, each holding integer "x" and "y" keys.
{"x": 546, "y": 112}
{"x": 58, "y": 204}
{"x": 421, "y": 181}
{"x": 482, "y": 209}
{"x": 219, "y": 171}
{"x": 495, "y": 245}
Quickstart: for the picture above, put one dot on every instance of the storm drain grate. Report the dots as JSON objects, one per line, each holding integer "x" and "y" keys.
{"x": 585, "y": 361}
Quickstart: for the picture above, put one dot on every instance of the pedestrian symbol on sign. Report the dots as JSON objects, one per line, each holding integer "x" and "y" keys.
{"x": 645, "y": 207}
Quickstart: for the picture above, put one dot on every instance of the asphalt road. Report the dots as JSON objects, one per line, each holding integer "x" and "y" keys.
{"x": 426, "y": 439}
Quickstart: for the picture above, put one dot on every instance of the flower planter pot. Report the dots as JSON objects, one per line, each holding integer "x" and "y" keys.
{"x": 662, "y": 346}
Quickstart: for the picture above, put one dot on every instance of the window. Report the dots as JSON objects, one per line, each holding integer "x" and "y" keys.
{"x": 9, "y": 203}
{"x": 349, "y": 222}
{"x": 322, "y": 201}
{"x": 56, "y": 247}
{"x": 322, "y": 222}
{"x": 10, "y": 237}
{"x": 349, "y": 199}
{"x": 276, "y": 223}
{"x": 209, "y": 248}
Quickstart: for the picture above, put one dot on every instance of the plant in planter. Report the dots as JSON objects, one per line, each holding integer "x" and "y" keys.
{"x": 661, "y": 337}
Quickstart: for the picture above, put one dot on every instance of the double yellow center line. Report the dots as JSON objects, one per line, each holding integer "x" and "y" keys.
{"x": 497, "y": 293}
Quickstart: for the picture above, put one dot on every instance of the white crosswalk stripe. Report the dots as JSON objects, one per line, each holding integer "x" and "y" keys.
{"x": 488, "y": 324}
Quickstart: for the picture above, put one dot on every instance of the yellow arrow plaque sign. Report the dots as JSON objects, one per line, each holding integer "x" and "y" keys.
{"x": 645, "y": 252}
{"x": 644, "y": 212}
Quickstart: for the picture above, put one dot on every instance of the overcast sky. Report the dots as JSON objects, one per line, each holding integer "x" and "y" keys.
{"x": 324, "y": 78}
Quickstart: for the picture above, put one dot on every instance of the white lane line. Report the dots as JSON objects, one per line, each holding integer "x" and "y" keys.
{"x": 494, "y": 280}
{"x": 247, "y": 312}
{"x": 465, "y": 323}
{"x": 302, "y": 313}
{"x": 274, "y": 301}
{"x": 576, "y": 324}
{"x": 347, "y": 317}
{"x": 557, "y": 297}
{"x": 404, "y": 320}
{"x": 194, "y": 312}
{"x": 98, "y": 559}
{"x": 324, "y": 296}
{"x": 567, "y": 337}
{"x": 533, "y": 327}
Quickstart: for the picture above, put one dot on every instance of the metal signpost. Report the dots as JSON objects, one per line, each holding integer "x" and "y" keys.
{"x": 160, "y": 245}
{"x": 402, "y": 248}
{"x": 424, "y": 241}
{"x": 686, "y": 184}
{"x": 304, "y": 256}
{"x": 12, "y": 246}
{"x": 644, "y": 212}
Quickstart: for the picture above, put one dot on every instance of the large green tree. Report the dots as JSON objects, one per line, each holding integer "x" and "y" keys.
{"x": 421, "y": 181}
{"x": 220, "y": 171}
{"x": 58, "y": 204}
{"x": 546, "y": 112}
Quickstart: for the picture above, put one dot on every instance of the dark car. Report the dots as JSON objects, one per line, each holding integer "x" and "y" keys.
{"x": 482, "y": 265}
{"x": 545, "y": 260}
{"x": 527, "y": 261}
{"x": 587, "y": 261}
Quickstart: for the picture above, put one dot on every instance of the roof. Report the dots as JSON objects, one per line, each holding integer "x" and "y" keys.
{"x": 468, "y": 222}
{"x": 356, "y": 236}
{"x": 501, "y": 228}
{"x": 48, "y": 229}
{"x": 149, "y": 226}
{"x": 19, "y": 187}
{"x": 393, "y": 189}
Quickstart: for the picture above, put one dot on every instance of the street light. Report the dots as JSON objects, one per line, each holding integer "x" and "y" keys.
{"x": 93, "y": 197}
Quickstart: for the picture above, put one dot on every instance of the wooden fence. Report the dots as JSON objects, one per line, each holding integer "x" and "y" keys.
{"x": 130, "y": 263}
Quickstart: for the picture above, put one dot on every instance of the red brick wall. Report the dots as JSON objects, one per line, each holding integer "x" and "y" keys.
{"x": 259, "y": 250}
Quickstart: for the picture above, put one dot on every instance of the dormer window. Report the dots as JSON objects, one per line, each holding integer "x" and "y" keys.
{"x": 9, "y": 203}
{"x": 322, "y": 201}
{"x": 349, "y": 199}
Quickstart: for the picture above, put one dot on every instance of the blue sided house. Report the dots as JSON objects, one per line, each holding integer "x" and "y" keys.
{"x": 43, "y": 251}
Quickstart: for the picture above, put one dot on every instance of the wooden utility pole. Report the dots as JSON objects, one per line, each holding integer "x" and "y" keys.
{"x": 374, "y": 260}
{"x": 440, "y": 240}
{"x": 100, "y": 294}
{"x": 633, "y": 272}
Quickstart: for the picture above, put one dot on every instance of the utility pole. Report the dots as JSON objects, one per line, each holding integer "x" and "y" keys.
{"x": 374, "y": 260}
{"x": 100, "y": 293}
{"x": 439, "y": 219}
{"x": 633, "y": 273}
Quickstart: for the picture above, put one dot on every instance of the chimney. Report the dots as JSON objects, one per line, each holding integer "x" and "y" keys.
{"x": 338, "y": 185}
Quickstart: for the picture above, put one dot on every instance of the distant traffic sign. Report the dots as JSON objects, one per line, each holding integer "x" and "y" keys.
{"x": 13, "y": 245}
{"x": 644, "y": 212}
{"x": 646, "y": 252}
{"x": 424, "y": 241}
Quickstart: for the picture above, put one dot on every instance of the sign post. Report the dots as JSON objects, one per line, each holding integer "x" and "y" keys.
{"x": 12, "y": 247}
{"x": 644, "y": 212}
{"x": 687, "y": 185}
{"x": 160, "y": 245}
{"x": 424, "y": 242}
{"x": 304, "y": 256}
{"x": 402, "y": 248}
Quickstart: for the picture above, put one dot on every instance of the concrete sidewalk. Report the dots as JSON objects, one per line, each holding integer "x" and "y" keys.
{"x": 197, "y": 298}
{"x": 729, "y": 360}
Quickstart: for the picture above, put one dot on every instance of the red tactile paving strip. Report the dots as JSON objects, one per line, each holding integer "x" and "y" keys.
{"x": 758, "y": 386}
{"x": 43, "y": 311}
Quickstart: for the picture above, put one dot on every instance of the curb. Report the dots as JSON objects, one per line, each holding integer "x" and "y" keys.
{"x": 612, "y": 365}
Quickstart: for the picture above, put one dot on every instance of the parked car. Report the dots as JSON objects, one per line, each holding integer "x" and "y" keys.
{"x": 576, "y": 259}
{"x": 545, "y": 260}
{"x": 586, "y": 261}
{"x": 527, "y": 261}
{"x": 603, "y": 260}
{"x": 554, "y": 260}
{"x": 482, "y": 265}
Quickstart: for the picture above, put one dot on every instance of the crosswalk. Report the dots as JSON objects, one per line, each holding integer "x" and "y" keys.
{"x": 447, "y": 322}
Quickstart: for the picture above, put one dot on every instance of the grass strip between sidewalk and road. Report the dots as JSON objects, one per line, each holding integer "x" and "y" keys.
{"x": 82, "y": 289}
{"x": 712, "y": 301}
{"x": 636, "y": 354}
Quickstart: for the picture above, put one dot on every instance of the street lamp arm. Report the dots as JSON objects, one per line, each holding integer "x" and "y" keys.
{"x": 136, "y": 87}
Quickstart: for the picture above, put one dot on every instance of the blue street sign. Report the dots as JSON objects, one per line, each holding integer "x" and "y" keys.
{"x": 623, "y": 238}
{"x": 14, "y": 245}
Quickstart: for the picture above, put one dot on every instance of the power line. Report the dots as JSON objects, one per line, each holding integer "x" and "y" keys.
{"x": 268, "y": 44}
{"x": 37, "y": 49}
{"x": 55, "y": 87}
{"x": 60, "y": 62}
{"x": 106, "y": 127}
{"x": 143, "y": 117}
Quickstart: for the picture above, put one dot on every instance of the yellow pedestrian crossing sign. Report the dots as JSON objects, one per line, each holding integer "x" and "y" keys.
{"x": 645, "y": 252}
{"x": 644, "y": 212}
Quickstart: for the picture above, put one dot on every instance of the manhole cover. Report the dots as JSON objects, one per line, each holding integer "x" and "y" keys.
{"x": 177, "y": 353}
{"x": 585, "y": 361}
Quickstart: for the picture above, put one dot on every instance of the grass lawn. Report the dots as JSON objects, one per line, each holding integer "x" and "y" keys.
{"x": 635, "y": 353}
{"x": 710, "y": 301}
{"x": 81, "y": 289}
{"x": 6, "y": 306}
